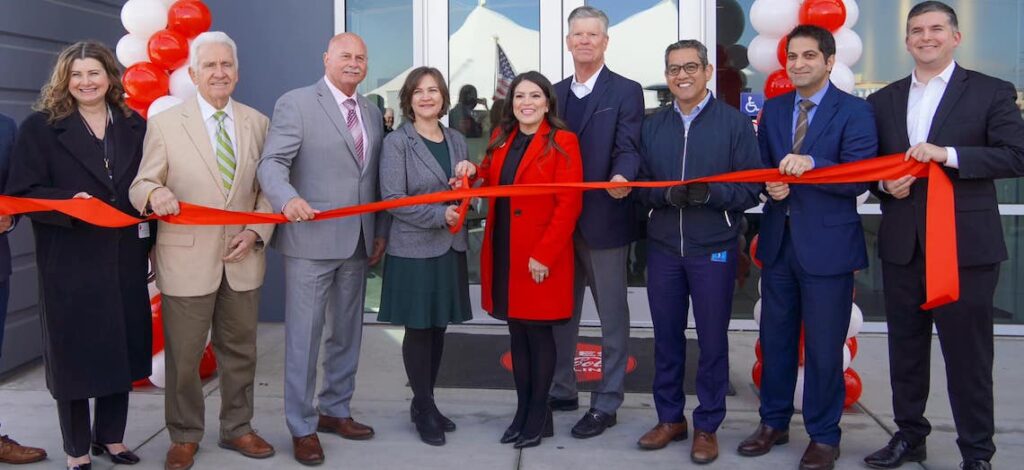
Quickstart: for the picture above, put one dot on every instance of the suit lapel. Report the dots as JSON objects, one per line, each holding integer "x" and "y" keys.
{"x": 784, "y": 117}
{"x": 822, "y": 116}
{"x": 595, "y": 95}
{"x": 333, "y": 111}
{"x": 369, "y": 132}
{"x": 900, "y": 98}
{"x": 562, "y": 92}
{"x": 192, "y": 121}
{"x": 126, "y": 143}
{"x": 80, "y": 144}
{"x": 534, "y": 149}
{"x": 420, "y": 150}
{"x": 955, "y": 88}
{"x": 242, "y": 133}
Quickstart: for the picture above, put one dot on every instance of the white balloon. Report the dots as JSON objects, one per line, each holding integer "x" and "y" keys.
{"x": 131, "y": 49}
{"x": 181, "y": 84}
{"x": 863, "y": 198}
{"x": 852, "y": 13}
{"x": 847, "y": 358}
{"x": 763, "y": 55}
{"x": 757, "y": 312}
{"x": 848, "y": 46}
{"x": 856, "y": 322}
{"x": 759, "y": 288}
{"x": 144, "y": 17}
{"x": 798, "y": 392}
{"x": 162, "y": 104}
{"x": 775, "y": 17}
{"x": 168, "y": 3}
{"x": 842, "y": 77}
{"x": 159, "y": 374}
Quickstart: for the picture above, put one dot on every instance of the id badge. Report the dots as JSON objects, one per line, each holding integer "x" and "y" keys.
{"x": 720, "y": 257}
{"x": 144, "y": 230}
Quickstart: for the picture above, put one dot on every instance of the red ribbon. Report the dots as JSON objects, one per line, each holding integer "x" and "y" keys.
{"x": 942, "y": 281}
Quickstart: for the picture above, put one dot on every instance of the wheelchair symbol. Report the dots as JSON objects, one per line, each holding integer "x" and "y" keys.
{"x": 751, "y": 106}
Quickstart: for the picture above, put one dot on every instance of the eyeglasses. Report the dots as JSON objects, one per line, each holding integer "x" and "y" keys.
{"x": 690, "y": 68}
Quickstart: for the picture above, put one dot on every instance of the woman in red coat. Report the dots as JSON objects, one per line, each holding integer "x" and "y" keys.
{"x": 527, "y": 257}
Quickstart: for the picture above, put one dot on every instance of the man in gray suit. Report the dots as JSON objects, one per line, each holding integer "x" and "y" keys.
{"x": 321, "y": 153}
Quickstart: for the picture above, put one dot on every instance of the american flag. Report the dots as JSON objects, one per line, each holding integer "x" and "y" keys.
{"x": 503, "y": 75}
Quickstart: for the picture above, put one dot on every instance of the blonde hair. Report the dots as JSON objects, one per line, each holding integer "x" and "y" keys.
{"x": 56, "y": 101}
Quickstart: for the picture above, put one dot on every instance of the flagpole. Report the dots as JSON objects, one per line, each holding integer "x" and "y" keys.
{"x": 497, "y": 66}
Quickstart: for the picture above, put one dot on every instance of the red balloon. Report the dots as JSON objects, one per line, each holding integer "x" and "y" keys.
{"x": 781, "y": 51}
{"x": 757, "y": 350}
{"x": 139, "y": 107}
{"x": 189, "y": 18}
{"x": 155, "y": 305}
{"x": 145, "y": 82}
{"x": 755, "y": 373}
{"x": 168, "y": 49}
{"x": 777, "y": 84}
{"x": 829, "y": 14}
{"x": 852, "y": 344}
{"x": 800, "y": 348}
{"x": 753, "y": 253}
{"x": 854, "y": 387}
{"x": 208, "y": 363}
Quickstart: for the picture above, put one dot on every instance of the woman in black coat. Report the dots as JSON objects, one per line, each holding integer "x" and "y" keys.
{"x": 84, "y": 142}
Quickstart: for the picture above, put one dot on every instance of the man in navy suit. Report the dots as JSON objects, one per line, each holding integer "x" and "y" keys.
{"x": 967, "y": 122}
{"x": 605, "y": 110}
{"x": 10, "y": 451}
{"x": 811, "y": 243}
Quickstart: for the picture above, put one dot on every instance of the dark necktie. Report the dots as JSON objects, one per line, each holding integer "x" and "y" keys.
{"x": 801, "y": 125}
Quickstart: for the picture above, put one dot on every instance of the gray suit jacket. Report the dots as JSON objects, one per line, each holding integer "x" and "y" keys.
{"x": 310, "y": 153}
{"x": 408, "y": 168}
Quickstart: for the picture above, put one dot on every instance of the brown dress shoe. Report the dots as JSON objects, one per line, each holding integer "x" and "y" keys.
{"x": 661, "y": 434}
{"x": 250, "y": 445}
{"x": 819, "y": 456}
{"x": 13, "y": 453}
{"x": 762, "y": 441}
{"x": 308, "y": 450}
{"x": 705, "y": 447}
{"x": 345, "y": 427}
{"x": 181, "y": 455}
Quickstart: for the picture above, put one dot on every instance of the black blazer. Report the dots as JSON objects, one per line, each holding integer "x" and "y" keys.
{"x": 7, "y": 131}
{"x": 977, "y": 116}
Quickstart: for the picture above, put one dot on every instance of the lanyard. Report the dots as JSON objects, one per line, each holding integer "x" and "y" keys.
{"x": 103, "y": 143}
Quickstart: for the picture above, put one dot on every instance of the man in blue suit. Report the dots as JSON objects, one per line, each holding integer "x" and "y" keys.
{"x": 811, "y": 242}
{"x": 605, "y": 110}
{"x": 10, "y": 451}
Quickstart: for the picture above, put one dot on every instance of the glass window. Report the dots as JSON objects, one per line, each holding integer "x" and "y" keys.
{"x": 386, "y": 27}
{"x": 638, "y": 33}
{"x": 489, "y": 42}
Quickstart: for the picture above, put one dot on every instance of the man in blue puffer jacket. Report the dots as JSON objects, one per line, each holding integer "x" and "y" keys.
{"x": 692, "y": 234}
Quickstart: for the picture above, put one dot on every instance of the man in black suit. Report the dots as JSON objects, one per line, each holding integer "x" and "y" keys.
{"x": 10, "y": 451}
{"x": 969, "y": 123}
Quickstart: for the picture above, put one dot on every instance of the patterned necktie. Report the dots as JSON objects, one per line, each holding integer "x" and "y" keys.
{"x": 225, "y": 152}
{"x": 801, "y": 125}
{"x": 354, "y": 128}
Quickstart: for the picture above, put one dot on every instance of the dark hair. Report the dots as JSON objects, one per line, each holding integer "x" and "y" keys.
{"x": 702, "y": 50}
{"x": 509, "y": 123}
{"x": 826, "y": 42}
{"x": 412, "y": 81}
{"x": 467, "y": 96}
{"x": 56, "y": 101}
{"x": 932, "y": 6}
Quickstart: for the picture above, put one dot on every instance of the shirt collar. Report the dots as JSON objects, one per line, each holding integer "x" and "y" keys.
{"x": 207, "y": 110}
{"x": 696, "y": 109}
{"x": 946, "y": 75}
{"x": 589, "y": 84}
{"x": 816, "y": 97}
{"x": 339, "y": 95}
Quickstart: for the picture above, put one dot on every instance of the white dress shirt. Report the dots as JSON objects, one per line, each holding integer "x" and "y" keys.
{"x": 207, "y": 111}
{"x": 340, "y": 97}
{"x": 922, "y": 104}
{"x": 583, "y": 89}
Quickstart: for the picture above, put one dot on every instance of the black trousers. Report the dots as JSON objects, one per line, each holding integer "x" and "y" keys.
{"x": 533, "y": 368}
{"x": 111, "y": 416}
{"x": 965, "y": 336}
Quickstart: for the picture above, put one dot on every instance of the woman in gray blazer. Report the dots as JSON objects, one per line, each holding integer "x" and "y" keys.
{"x": 426, "y": 282}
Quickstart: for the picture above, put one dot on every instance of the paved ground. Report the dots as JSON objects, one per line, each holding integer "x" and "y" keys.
{"x": 382, "y": 400}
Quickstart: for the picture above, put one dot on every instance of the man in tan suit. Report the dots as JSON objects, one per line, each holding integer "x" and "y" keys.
{"x": 205, "y": 151}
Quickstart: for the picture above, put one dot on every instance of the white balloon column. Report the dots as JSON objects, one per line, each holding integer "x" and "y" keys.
{"x": 774, "y": 19}
{"x": 155, "y": 52}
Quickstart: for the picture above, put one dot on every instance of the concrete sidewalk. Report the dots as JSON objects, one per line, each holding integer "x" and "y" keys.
{"x": 28, "y": 414}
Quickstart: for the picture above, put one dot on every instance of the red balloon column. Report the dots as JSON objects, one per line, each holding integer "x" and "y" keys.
{"x": 828, "y": 14}
{"x": 162, "y": 33}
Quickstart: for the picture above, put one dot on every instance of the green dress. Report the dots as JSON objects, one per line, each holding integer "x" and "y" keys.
{"x": 427, "y": 292}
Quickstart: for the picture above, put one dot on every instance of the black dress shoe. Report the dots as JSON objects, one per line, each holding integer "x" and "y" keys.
{"x": 564, "y": 404}
{"x": 124, "y": 458}
{"x": 896, "y": 453}
{"x": 430, "y": 428}
{"x": 523, "y": 441}
{"x": 447, "y": 424}
{"x": 975, "y": 465}
{"x": 593, "y": 423}
{"x": 511, "y": 435}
